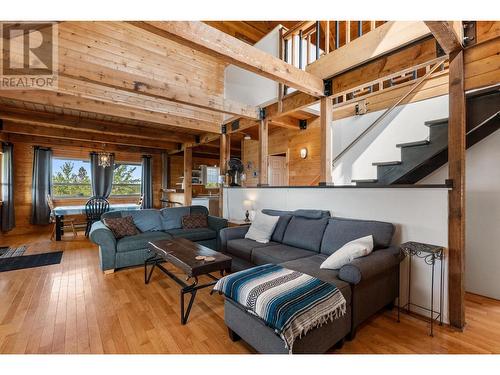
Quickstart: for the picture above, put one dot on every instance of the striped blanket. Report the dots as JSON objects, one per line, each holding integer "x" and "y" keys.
{"x": 290, "y": 302}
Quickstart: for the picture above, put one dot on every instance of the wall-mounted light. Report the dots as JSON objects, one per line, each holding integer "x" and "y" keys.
{"x": 303, "y": 153}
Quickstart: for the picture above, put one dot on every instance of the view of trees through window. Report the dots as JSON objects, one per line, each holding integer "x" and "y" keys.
{"x": 71, "y": 178}
{"x": 127, "y": 179}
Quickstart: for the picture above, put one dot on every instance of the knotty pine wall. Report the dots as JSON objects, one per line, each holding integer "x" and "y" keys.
{"x": 23, "y": 169}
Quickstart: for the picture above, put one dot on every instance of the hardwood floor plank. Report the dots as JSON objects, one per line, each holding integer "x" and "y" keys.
{"x": 73, "y": 307}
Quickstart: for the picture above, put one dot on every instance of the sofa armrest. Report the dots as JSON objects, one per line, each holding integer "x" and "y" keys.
{"x": 231, "y": 233}
{"x": 101, "y": 235}
{"x": 376, "y": 263}
{"x": 217, "y": 223}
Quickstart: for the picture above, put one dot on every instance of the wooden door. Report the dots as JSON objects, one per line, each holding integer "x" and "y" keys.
{"x": 278, "y": 171}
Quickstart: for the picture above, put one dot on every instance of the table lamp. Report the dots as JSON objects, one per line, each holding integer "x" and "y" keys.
{"x": 248, "y": 205}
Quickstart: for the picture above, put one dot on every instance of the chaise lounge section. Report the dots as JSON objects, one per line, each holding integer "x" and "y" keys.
{"x": 154, "y": 225}
{"x": 301, "y": 241}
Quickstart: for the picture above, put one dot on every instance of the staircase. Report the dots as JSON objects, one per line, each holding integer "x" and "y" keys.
{"x": 422, "y": 157}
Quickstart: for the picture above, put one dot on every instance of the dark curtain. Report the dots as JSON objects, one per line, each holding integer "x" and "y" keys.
{"x": 7, "y": 216}
{"x": 101, "y": 177}
{"x": 41, "y": 186}
{"x": 147, "y": 182}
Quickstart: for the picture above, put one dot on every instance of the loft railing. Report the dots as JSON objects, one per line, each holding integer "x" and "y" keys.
{"x": 313, "y": 39}
{"x": 437, "y": 64}
{"x": 307, "y": 41}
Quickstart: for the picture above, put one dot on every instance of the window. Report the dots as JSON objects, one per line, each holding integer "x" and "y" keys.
{"x": 71, "y": 178}
{"x": 127, "y": 179}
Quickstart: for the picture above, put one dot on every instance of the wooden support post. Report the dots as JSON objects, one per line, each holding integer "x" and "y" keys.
{"x": 263, "y": 152}
{"x": 327, "y": 37}
{"x": 326, "y": 116}
{"x": 223, "y": 170}
{"x": 456, "y": 196}
{"x": 308, "y": 52}
{"x": 188, "y": 173}
{"x": 373, "y": 25}
{"x": 243, "y": 159}
{"x": 347, "y": 32}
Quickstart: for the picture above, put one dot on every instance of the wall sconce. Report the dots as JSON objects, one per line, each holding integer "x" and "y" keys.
{"x": 303, "y": 153}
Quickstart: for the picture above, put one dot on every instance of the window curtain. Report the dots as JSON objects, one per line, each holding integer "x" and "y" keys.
{"x": 147, "y": 182}
{"x": 41, "y": 185}
{"x": 7, "y": 215}
{"x": 101, "y": 177}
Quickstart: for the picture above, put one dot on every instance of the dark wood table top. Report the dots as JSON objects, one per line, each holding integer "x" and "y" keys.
{"x": 182, "y": 253}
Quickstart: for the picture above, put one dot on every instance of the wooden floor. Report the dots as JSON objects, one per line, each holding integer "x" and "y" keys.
{"x": 73, "y": 308}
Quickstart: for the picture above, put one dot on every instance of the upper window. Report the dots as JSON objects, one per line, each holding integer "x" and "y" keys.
{"x": 71, "y": 178}
{"x": 127, "y": 179}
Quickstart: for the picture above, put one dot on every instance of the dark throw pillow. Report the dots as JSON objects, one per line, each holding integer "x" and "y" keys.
{"x": 194, "y": 221}
{"x": 122, "y": 226}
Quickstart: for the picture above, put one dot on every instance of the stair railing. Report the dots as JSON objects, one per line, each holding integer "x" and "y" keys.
{"x": 389, "y": 110}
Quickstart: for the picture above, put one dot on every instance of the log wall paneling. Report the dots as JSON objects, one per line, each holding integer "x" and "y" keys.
{"x": 326, "y": 109}
{"x": 482, "y": 64}
{"x": 456, "y": 196}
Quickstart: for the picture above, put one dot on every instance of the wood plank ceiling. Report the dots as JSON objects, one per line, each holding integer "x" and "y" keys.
{"x": 117, "y": 77}
{"x": 122, "y": 84}
{"x": 249, "y": 31}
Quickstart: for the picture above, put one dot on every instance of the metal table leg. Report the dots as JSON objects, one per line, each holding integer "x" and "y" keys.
{"x": 432, "y": 297}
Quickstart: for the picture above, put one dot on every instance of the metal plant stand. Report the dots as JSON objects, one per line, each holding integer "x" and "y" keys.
{"x": 429, "y": 253}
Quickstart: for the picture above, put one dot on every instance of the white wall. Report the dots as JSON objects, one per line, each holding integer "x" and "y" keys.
{"x": 247, "y": 87}
{"x": 482, "y": 215}
{"x": 405, "y": 124}
{"x": 252, "y": 89}
{"x": 420, "y": 214}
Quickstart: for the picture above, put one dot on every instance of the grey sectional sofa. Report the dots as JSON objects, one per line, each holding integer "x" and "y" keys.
{"x": 301, "y": 241}
{"x": 154, "y": 225}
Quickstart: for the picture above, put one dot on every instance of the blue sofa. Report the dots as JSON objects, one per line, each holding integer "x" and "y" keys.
{"x": 154, "y": 225}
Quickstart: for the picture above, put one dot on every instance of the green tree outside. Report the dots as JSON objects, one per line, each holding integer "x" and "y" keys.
{"x": 70, "y": 183}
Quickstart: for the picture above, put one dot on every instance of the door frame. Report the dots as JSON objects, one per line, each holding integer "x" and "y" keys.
{"x": 287, "y": 162}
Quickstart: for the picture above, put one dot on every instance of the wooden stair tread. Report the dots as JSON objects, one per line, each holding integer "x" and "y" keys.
{"x": 441, "y": 121}
{"x": 413, "y": 144}
{"x": 383, "y": 163}
{"x": 364, "y": 181}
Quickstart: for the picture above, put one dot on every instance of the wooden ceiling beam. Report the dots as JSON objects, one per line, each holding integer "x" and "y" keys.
{"x": 64, "y": 142}
{"x": 213, "y": 42}
{"x": 102, "y": 127}
{"x": 73, "y": 101}
{"x": 383, "y": 40}
{"x": 80, "y": 135}
{"x": 449, "y": 34}
{"x": 285, "y": 122}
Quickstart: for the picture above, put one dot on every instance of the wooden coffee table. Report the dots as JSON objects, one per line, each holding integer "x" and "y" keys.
{"x": 182, "y": 254}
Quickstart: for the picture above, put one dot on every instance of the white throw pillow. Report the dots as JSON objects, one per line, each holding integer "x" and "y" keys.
{"x": 262, "y": 227}
{"x": 357, "y": 248}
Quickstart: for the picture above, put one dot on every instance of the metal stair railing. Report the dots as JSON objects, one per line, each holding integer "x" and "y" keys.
{"x": 389, "y": 110}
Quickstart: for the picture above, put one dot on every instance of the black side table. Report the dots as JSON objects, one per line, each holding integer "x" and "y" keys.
{"x": 429, "y": 253}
